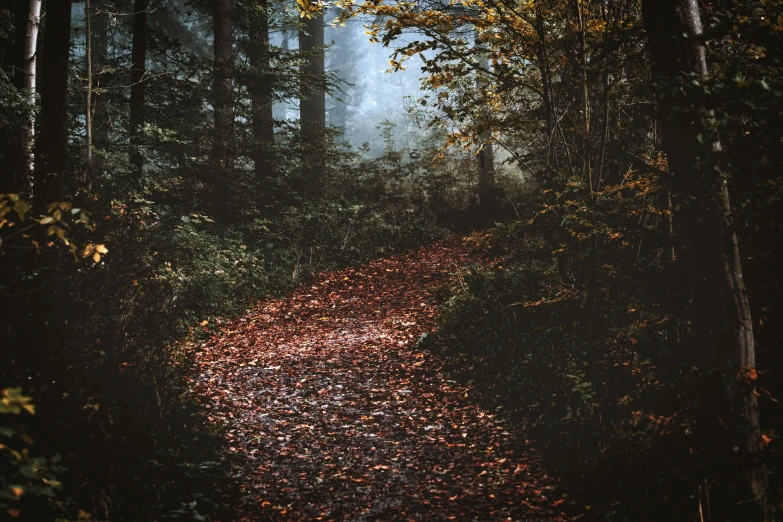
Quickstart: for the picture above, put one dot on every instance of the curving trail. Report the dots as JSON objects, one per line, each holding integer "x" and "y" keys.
{"x": 339, "y": 416}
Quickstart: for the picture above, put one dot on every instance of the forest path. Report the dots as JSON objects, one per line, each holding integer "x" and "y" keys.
{"x": 339, "y": 416}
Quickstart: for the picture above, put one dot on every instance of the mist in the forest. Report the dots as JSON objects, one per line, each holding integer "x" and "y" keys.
{"x": 367, "y": 92}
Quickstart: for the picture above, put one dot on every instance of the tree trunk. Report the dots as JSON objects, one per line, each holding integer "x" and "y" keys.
{"x": 223, "y": 84}
{"x": 100, "y": 49}
{"x": 261, "y": 94}
{"x": 542, "y": 54}
{"x": 312, "y": 104}
{"x": 585, "y": 97}
{"x": 52, "y": 143}
{"x": 721, "y": 324}
{"x": 138, "y": 69}
{"x": 486, "y": 157}
{"x": 88, "y": 53}
{"x": 30, "y": 59}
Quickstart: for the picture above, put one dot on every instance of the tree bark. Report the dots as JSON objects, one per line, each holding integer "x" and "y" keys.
{"x": 100, "y": 49}
{"x": 88, "y": 53}
{"x": 223, "y": 84}
{"x": 486, "y": 156}
{"x": 312, "y": 104}
{"x": 544, "y": 68}
{"x": 137, "y": 94}
{"x": 261, "y": 94}
{"x": 585, "y": 97}
{"x": 30, "y": 60}
{"x": 721, "y": 323}
{"x": 51, "y": 158}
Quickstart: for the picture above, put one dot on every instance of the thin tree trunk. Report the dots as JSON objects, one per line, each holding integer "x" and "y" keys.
{"x": 223, "y": 84}
{"x": 486, "y": 159}
{"x": 546, "y": 84}
{"x": 261, "y": 94}
{"x": 88, "y": 102}
{"x": 100, "y": 114}
{"x": 585, "y": 96}
{"x": 138, "y": 70}
{"x": 52, "y": 144}
{"x": 607, "y": 16}
{"x": 604, "y": 130}
{"x": 312, "y": 104}
{"x": 30, "y": 59}
{"x": 721, "y": 323}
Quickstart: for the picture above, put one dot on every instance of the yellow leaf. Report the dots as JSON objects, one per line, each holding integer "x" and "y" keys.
{"x": 21, "y": 208}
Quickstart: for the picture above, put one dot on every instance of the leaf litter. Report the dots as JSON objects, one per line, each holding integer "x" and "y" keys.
{"x": 338, "y": 415}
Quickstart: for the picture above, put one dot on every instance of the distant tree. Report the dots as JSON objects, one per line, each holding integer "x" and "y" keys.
{"x": 260, "y": 88}
{"x": 88, "y": 114}
{"x": 486, "y": 156}
{"x": 342, "y": 58}
{"x": 138, "y": 69}
{"x": 223, "y": 83}
{"x": 99, "y": 58}
{"x": 312, "y": 104}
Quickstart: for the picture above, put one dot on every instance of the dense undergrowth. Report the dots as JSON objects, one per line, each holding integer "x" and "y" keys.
{"x": 573, "y": 336}
{"x": 95, "y": 341}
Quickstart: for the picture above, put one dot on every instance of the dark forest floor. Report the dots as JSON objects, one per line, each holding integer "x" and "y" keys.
{"x": 339, "y": 416}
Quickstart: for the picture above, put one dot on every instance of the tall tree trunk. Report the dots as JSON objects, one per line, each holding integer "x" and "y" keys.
{"x": 223, "y": 84}
{"x": 585, "y": 109}
{"x": 261, "y": 94}
{"x": 607, "y": 12}
{"x": 100, "y": 50}
{"x": 542, "y": 54}
{"x": 30, "y": 59}
{"x": 486, "y": 156}
{"x": 312, "y": 104}
{"x": 721, "y": 323}
{"x": 52, "y": 144}
{"x": 88, "y": 53}
{"x": 138, "y": 69}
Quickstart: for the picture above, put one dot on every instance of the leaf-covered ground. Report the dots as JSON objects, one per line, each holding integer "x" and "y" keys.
{"x": 339, "y": 416}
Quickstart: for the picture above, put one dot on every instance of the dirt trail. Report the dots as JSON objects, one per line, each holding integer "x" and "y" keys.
{"x": 341, "y": 417}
